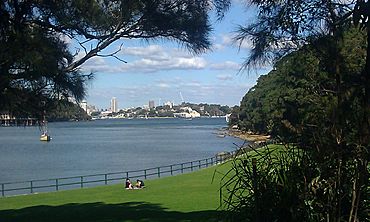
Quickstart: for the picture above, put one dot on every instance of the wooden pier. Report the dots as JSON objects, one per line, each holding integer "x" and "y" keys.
{"x": 7, "y": 120}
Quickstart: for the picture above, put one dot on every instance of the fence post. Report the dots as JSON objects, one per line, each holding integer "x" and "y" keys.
{"x": 2, "y": 190}
{"x": 56, "y": 185}
{"x": 182, "y": 168}
{"x": 31, "y": 186}
{"x": 191, "y": 164}
{"x": 206, "y": 162}
{"x": 145, "y": 174}
{"x": 82, "y": 184}
{"x": 105, "y": 179}
{"x": 171, "y": 171}
{"x": 159, "y": 172}
{"x": 126, "y": 174}
{"x": 199, "y": 164}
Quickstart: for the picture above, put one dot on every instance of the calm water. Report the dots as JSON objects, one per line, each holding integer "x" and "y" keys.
{"x": 82, "y": 148}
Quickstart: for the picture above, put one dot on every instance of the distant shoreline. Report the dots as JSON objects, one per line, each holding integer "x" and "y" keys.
{"x": 247, "y": 136}
{"x": 161, "y": 117}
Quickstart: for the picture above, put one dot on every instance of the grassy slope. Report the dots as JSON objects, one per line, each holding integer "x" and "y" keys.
{"x": 188, "y": 197}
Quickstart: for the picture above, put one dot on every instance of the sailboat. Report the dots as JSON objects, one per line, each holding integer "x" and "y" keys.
{"x": 45, "y": 137}
{"x": 44, "y": 129}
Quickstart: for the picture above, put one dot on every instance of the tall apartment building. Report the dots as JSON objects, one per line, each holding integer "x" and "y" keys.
{"x": 151, "y": 104}
{"x": 113, "y": 105}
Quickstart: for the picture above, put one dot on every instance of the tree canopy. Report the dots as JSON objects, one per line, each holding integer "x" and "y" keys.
{"x": 297, "y": 104}
{"x": 317, "y": 97}
{"x": 299, "y": 93}
{"x": 285, "y": 26}
{"x": 37, "y": 64}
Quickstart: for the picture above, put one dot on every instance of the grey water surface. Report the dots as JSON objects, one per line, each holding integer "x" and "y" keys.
{"x": 104, "y": 146}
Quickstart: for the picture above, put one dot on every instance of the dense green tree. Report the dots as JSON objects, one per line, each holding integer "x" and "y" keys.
{"x": 234, "y": 116}
{"x": 225, "y": 109}
{"x": 37, "y": 64}
{"x": 62, "y": 110}
{"x": 297, "y": 103}
{"x": 284, "y": 26}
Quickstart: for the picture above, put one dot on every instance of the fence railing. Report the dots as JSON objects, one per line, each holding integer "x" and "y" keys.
{"x": 56, "y": 184}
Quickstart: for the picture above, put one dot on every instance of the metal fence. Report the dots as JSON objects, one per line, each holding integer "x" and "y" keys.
{"x": 48, "y": 185}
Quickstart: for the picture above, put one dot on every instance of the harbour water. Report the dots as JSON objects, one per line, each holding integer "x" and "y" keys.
{"x": 83, "y": 148}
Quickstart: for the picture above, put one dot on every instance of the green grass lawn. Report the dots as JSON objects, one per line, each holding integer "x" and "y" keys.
{"x": 187, "y": 197}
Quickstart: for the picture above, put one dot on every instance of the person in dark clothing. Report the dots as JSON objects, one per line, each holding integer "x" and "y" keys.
{"x": 139, "y": 184}
{"x": 128, "y": 184}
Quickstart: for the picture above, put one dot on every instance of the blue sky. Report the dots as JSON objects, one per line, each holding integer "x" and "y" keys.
{"x": 160, "y": 70}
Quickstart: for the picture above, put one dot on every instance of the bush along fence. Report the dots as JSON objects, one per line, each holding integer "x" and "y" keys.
{"x": 56, "y": 184}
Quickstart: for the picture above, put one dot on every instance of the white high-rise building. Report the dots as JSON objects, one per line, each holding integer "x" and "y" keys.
{"x": 113, "y": 105}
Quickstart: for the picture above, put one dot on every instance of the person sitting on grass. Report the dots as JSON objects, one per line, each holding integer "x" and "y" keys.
{"x": 128, "y": 185}
{"x": 139, "y": 184}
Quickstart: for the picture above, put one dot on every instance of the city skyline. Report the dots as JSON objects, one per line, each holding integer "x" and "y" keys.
{"x": 112, "y": 105}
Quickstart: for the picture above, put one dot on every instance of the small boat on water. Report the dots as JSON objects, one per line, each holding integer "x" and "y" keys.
{"x": 44, "y": 129}
{"x": 45, "y": 137}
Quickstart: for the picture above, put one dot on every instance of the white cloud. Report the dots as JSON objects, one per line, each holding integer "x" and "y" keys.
{"x": 227, "y": 65}
{"x": 148, "y": 65}
{"x": 228, "y": 40}
{"x": 150, "y": 59}
{"x": 225, "y": 77}
{"x": 98, "y": 64}
{"x": 192, "y": 84}
{"x": 240, "y": 1}
{"x": 152, "y": 51}
{"x": 218, "y": 46}
{"x": 163, "y": 85}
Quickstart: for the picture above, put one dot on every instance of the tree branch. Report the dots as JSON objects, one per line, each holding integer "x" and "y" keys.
{"x": 114, "y": 54}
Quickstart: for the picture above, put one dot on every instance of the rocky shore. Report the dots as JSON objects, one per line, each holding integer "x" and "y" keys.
{"x": 245, "y": 135}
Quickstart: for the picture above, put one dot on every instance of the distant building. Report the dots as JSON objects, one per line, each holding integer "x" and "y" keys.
{"x": 88, "y": 108}
{"x": 169, "y": 104}
{"x": 83, "y": 105}
{"x": 194, "y": 114}
{"x": 182, "y": 115}
{"x": 113, "y": 105}
{"x": 91, "y": 109}
{"x": 187, "y": 112}
{"x": 105, "y": 114}
{"x": 151, "y": 104}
